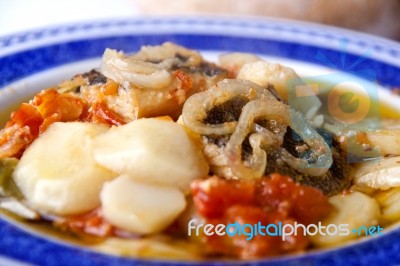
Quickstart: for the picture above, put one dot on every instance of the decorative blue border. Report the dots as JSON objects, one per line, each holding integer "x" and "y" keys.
{"x": 19, "y": 245}
{"x": 328, "y": 33}
{"x": 26, "y": 62}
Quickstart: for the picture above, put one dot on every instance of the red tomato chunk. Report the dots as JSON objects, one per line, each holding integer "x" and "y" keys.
{"x": 271, "y": 200}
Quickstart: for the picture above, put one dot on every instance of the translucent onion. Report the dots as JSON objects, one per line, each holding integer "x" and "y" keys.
{"x": 198, "y": 105}
{"x": 165, "y": 51}
{"x": 383, "y": 137}
{"x": 320, "y": 151}
{"x": 143, "y": 74}
{"x": 286, "y": 82}
{"x": 254, "y": 167}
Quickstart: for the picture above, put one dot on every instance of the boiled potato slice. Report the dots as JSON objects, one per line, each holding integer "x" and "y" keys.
{"x": 139, "y": 207}
{"x": 58, "y": 174}
{"x": 234, "y": 61}
{"x": 262, "y": 73}
{"x": 287, "y": 84}
{"x": 153, "y": 151}
{"x": 378, "y": 174}
{"x": 389, "y": 200}
{"x": 387, "y": 140}
{"x": 354, "y": 210}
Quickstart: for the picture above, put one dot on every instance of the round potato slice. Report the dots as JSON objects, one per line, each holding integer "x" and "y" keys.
{"x": 352, "y": 211}
{"x": 58, "y": 174}
{"x": 153, "y": 151}
{"x": 378, "y": 174}
{"x": 389, "y": 200}
{"x": 139, "y": 207}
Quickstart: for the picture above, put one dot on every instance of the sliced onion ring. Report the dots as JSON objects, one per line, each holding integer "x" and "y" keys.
{"x": 142, "y": 74}
{"x": 198, "y": 105}
{"x": 321, "y": 151}
{"x": 255, "y": 166}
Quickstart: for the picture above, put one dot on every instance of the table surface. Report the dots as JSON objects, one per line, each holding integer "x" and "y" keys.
{"x": 22, "y": 15}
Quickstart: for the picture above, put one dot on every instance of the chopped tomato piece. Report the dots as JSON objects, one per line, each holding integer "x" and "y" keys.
{"x": 214, "y": 195}
{"x": 46, "y": 108}
{"x": 31, "y": 119}
{"x": 305, "y": 204}
{"x": 184, "y": 86}
{"x": 91, "y": 223}
{"x": 20, "y": 131}
{"x": 27, "y": 115}
{"x": 66, "y": 107}
{"x": 274, "y": 200}
{"x": 111, "y": 88}
{"x": 100, "y": 113}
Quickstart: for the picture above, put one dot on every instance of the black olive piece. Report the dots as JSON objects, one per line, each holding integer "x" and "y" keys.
{"x": 95, "y": 77}
{"x": 226, "y": 112}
